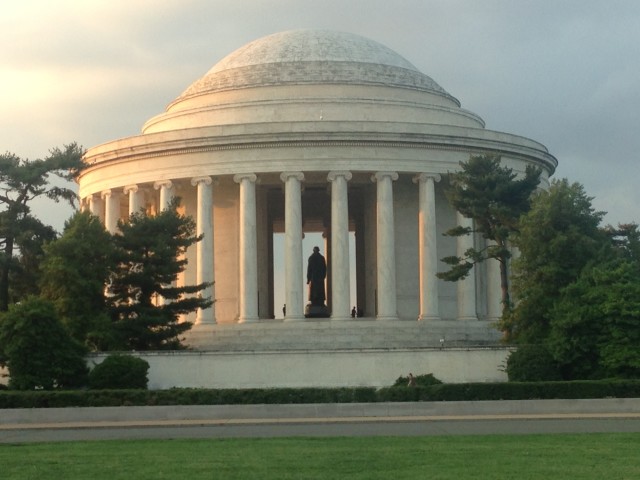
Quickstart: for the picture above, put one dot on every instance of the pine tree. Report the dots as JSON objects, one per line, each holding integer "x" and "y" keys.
{"x": 494, "y": 197}
{"x": 145, "y": 300}
{"x": 21, "y": 181}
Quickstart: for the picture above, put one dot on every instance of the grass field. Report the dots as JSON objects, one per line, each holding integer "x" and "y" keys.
{"x": 522, "y": 457}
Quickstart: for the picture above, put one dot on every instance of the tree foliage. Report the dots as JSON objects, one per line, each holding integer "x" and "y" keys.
{"x": 37, "y": 349}
{"x": 532, "y": 363}
{"x": 625, "y": 239}
{"x": 595, "y": 327}
{"x": 494, "y": 197}
{"x": 22, "y": 181}
{"x": 557, "y": 238}
{"x": 25, "y": 266}
{"x": 75, "y": 270}
{"x": 578, "y": 287}
{"x": 145, "y": 301}
{"x": 120, "y": 372}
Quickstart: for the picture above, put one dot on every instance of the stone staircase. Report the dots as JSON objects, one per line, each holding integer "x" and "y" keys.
{"x": 324, "y": 334}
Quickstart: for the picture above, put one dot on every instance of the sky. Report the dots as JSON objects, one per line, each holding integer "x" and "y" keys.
{"x": 563, "y": 73}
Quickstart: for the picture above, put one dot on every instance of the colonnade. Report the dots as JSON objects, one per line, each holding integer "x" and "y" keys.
{"x": 109, "y": 203}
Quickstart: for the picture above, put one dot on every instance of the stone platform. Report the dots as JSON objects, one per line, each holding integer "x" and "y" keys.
{"x": 326, "y": 334}
{"x": 328, "y": 353}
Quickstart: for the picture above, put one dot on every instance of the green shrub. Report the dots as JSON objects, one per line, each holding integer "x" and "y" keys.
{"x": 532, "y": 363}
{"x": 119, "y": 372}
{"x": 421, "y": 380}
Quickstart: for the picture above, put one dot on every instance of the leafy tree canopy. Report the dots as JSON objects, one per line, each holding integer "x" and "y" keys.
{"x": 75, "y": 270}
{"x": 37, "y": 349}
{"x": 595, "y": 327}
{"x": 556, "y": 239}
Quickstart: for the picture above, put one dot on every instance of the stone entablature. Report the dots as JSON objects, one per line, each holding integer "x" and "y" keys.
{"x": 170, "y": 155}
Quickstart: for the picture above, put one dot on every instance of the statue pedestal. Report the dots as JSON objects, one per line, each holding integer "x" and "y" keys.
{"x": 316, "y": 311}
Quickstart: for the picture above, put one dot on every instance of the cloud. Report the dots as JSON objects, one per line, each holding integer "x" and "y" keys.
{"x": 563, "y": 73}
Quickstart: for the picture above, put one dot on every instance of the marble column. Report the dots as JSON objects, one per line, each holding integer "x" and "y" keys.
{"x": 294, "y": 299}
{"x": 248, "y": 249}
{"x": 340, "y": 278}
{"x": 326, "y": 241}
{"x": 96, "y": 206}
{"x": 166, "y": 193}
{"x": 466, "y": 287}
{"x": 494, "y": 289}
{"x": 166, "y": 196}
{"x": 385, "y": 255}
{"x": 136, "y": 198}
{"x": 204, "y": 248}
{"x": 427, "y": 248}
{"x": 112, "y": 210}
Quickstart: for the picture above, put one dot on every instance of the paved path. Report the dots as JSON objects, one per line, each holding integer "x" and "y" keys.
{"x": 406, "y": 419}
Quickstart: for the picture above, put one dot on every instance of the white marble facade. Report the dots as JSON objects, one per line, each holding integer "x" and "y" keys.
{"x": 312, "y": 131}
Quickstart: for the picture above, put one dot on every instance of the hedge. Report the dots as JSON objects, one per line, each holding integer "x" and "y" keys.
{"x": 441, "y": 392}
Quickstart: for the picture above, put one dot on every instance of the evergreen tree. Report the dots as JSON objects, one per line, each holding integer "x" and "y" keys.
{"x": 75, "y": 270}
{"x": 494, "y": 197}
{"x": 145, "y": 301}
{"x": 21, "y": 181}
{"x": 25, "y": 269}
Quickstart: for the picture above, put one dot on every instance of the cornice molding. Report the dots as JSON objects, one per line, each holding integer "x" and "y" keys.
{"x": 473, "y": 146}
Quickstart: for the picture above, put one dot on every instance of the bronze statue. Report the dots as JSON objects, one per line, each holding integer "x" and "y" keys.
{"x": 316, "y": 273}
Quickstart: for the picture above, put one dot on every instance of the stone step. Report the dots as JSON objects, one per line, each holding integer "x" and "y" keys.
{"x": 347, "y": 335}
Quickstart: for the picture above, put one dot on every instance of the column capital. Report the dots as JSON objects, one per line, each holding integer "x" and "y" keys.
{"x": 252, "y": 177}
{"x": 106, "y": 193}
{"x": 423, "y": 177}
{"x": 203, "y": 179}
{"x": 339, "y": 173}
{"x": 163, "y": 183}
{"x": 284, "y": 176}
{"x": 376, "y": 177}
{"x": 130, "y": 189}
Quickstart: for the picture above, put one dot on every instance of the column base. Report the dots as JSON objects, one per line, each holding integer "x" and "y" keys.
{"x": 428, "y": 318}
{"x": 205, "y": 320}
{"x": 386, "y": 318}
{"x": 248, "y": 320}
{"x": 294, "y": 319}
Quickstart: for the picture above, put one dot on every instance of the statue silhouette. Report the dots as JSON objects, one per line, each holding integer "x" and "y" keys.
{"x": 316, "y": 273}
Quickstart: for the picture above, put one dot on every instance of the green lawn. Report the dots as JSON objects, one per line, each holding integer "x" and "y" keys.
{"x": 586, "y": 456}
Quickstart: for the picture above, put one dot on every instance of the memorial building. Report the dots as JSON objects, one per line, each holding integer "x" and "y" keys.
{"x": 313, "y": 131}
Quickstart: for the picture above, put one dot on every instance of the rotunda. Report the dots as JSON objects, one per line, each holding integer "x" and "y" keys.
{"x": 313, "y": 131}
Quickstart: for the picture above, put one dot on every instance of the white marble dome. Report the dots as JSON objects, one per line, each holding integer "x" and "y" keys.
{"x": 311, "y": 56}
{"x": 312, "y": 76}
